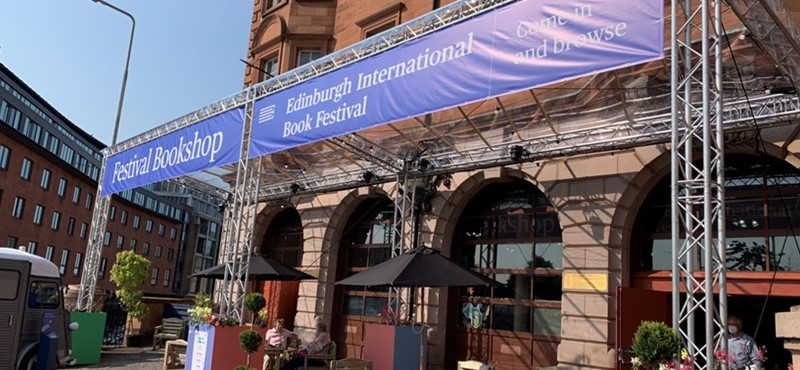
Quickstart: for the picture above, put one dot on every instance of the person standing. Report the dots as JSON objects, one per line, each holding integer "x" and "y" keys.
{"x": 742, "y": 348}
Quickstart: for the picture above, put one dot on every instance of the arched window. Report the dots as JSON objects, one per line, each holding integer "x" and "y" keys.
{"x": 367, "y": 242}
{"x": 510, "y": 233}
{"x": 284, "y": 238}
{"x": 762, "y": 209}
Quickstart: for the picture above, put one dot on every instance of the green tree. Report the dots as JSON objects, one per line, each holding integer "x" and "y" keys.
{"x": 128, "y": 273}
{"x": 254, "y": 302}
{"x": 249, "y": 340}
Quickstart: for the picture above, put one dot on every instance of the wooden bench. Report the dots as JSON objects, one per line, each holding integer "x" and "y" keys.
{"x": 170, "y": 329}
{"x": 175, "y": 354}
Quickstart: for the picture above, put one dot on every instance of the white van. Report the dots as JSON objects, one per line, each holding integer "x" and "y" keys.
{"x": 30, "y": 289}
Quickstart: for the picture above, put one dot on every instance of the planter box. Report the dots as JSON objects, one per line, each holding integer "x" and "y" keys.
{"x": 87, "y": 341}
{"x": 216, "y": 347}
{"x": 395, "y": 347}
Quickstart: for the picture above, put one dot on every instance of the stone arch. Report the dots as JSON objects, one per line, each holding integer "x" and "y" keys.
{"x": 272, "y": 28}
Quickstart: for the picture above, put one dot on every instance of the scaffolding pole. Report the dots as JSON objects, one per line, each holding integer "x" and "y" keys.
{"x": 698, "y": 186}
{"x": 239, "y": 224}
{"x": 402, "y": 235}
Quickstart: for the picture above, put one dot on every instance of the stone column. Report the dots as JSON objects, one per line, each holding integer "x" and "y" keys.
{"x": 787, "y": 326}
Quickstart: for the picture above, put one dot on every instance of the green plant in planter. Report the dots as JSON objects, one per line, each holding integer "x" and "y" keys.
{"x": 654, "y": 344}
{"x": 128, "y": 273}
{"x": 201, "y": 312}
{"x": 254, "y": 302}
{"x": 249, "y": 340}
{"x": 240, "y": 367}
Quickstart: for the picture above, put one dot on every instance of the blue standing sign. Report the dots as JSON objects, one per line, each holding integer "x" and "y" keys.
{"x": 519, "y": 46}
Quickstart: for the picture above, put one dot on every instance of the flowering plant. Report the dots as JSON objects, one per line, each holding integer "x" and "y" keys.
{"x": 222, "y": 320}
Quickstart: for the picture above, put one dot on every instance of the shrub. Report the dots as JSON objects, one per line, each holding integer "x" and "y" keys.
{"x": 655, "y": 343}
{"x": 249, "y": 340}
{"x": 243, "y": 367}
{"x": 254, "y": 302}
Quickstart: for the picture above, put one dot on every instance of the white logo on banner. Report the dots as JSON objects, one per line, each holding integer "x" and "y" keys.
{"x": 266, "y": 114}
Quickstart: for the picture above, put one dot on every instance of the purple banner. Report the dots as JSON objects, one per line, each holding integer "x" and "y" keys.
{"x": 209, "y": 143}
{"x": 519, "y": 46}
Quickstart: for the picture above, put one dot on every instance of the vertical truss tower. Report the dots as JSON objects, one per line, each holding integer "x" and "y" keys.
{"x": 240, "y": 218}
{"x": 698, "y": 184}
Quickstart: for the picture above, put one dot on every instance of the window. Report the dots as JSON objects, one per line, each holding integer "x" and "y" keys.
{"x": 284, "y": 240}
{"x": 173, "y": 233}
{"x": 89, "y": 201}
{"x": 45, "y": 183}
{"x": 133, "y": 244}
{"x": 76, "y": 270}
{"x": 56, "y": 220}
{"x": 307, "y": 56}
{"x": 149, "y": 226}
{"x": 269, "y": 68}
{"x": 19, "y": 207}
{"x": 170, "y": 254}
{"x": 10, "y": 286}
{"x": 62, "y": 187}
{"x": 101, "y": 272}
{"x": 49, "y": 252}
{"x": 112, "y": 213}
{"x": 76, "y": 195}
{"x": 106, "y": 239}
{"x": 123, "y": 218}
{"x": 158, "y": 251}
{"x": 120, "y": 241}
{"x": 25, "y": 170}
{"x": 43, "y": 294}
{"x": 146, "y": 248}
{"x": 154, "y": 276}
{"x": 62, "y": 268}
{"x": 136, "y": 221}
{"x": 368, "y": 243}
{"x": 32, "y": 247}
{"x": 11, "y": 242}
{"x": 84, "y": 230}
{"x": 160, "y": 229}
{"x": 71, "y": 226}
{"x": 269, "y": 5}
{"x": 5, "y": 155}
{"x": 510, "y": 233}
{"x": 38, "y": 213}
{"x": 166, "y": 277}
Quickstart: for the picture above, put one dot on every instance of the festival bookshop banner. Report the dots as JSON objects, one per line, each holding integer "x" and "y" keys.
{"x": 213, "y": 142}
{"x": 515, "y": 47}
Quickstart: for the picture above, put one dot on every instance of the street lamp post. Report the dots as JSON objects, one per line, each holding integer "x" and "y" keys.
{"x": 127, "y": 63}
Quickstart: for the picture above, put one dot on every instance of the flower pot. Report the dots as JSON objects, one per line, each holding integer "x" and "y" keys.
{"x": 217, "y": 347}
{"x": 87, "y": 341}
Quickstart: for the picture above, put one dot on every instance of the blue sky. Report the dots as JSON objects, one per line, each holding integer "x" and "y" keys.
{"x": 72, "y": 52}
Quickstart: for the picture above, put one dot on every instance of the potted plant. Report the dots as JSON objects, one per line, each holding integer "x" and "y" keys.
{"x": 250, "y": 341}
{"x": 655, "y": 346}
{"x": 255, "y": 302}
{"x": 213, "y": 337}
{"x": 128, "y": 273}
{"x": 87, "y": 342}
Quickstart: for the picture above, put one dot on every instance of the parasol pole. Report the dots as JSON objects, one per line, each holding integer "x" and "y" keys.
{"x": 422, "y": 330}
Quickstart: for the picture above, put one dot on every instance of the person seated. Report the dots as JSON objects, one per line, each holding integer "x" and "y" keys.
{"x": 276, "y": 338}
{"x": 317, "y": 346}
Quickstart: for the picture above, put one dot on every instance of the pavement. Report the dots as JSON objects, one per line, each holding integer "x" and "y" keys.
{"x": 128, "y": 358}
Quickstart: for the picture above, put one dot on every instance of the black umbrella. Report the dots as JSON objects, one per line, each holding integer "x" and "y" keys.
{"x": 262, "y": 268}
{"x": 419, "y": 267}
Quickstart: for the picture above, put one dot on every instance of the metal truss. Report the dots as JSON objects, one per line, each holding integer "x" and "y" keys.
{"x": 698, "y": 185}
{"x": 443, "y": 17}
{"x": 94, "y": 247}
{"x": 239, "y": 224}
{"x": 773, "y": 28}
{"x": 402, "y": 235}
{"x": 769, "y": 110}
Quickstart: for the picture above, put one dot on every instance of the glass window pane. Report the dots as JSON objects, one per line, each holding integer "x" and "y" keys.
{"x": 547, "y": 225}
{"x": 374, "y": 306}
{"x": 656, "y": 255}
{"x": 43, "y": 295}
{"x": 378, "y": 255}
{"x": 360, "y": 235}
{"x": 515, "y": 318}
{"x": 353, "y": 305}
{"x": 547, "y": 287}
{"x": 514, "y": 286}
{"x": 514, "y": 256}
{"x": 357, "y": 257}
{"x": 478, "y": 228}
{"x": 548, "y": 255}
{"x": 785, "y": 253}
{"x": 746, "y": 254}
{"x": 744, "y": 215}
{"x": 547, "y": 321}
